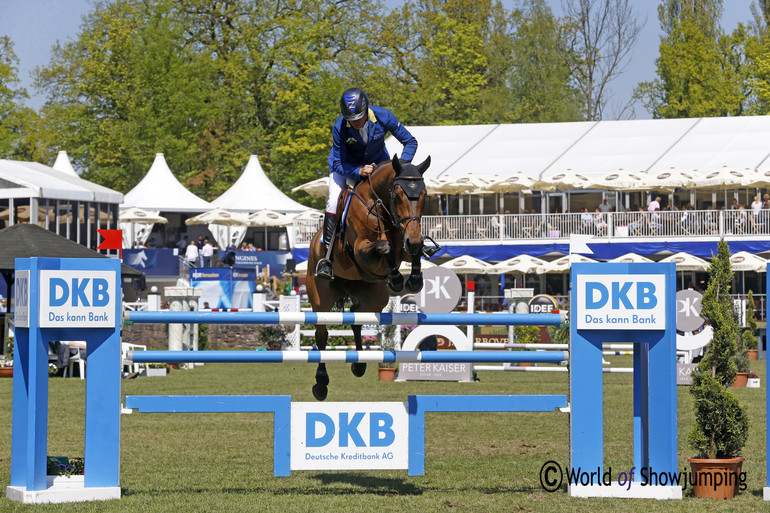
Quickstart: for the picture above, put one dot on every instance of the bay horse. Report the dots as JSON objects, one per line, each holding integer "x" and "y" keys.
{"x": 380, "y": 230}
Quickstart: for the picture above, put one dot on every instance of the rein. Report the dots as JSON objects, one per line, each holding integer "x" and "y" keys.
{"x": 387, "y": 218}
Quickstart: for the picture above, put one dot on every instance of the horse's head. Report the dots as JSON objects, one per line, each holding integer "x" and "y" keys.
{"x": 407, "y": 195}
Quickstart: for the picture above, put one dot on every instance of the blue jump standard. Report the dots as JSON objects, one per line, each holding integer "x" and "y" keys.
{"x": 348, "y": 356}
{"x": 347, "y": 318}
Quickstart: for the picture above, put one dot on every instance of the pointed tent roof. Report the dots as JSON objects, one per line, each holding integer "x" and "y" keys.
{"x": 63, "y": 164}
{"x": 160, "y": 190}
{"x": 254, "y": 191}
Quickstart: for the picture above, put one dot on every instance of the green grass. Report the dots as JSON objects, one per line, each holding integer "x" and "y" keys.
{"x": 474, "y": 462}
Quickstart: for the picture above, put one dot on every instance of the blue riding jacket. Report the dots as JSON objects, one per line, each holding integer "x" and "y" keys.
{"x": 349, "y": 153}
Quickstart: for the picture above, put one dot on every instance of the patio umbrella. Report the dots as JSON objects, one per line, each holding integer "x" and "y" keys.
{"x": 522, "y": 264}
{"x": 518, "y": 182}
{"x": 228, "y": 228}
{"x": 319, "y": 187}
{"x": 141, "y": 216}
{"x": 137, "y": 224}
{"x": 725, "y": 178}
{"x": 564, "y": 180}
{"x": 309, "y": 215}
{"x": 266, "y": 217}
{"x": 744, "y": 261}
{"x": 219, "y": 216}
{"x": 672, "y": 179}
{"x": 563, "y": 264}
{"x": 686, "y": 262}
{"x": 630, "y": 258}
{"x": 619, "y": 181}
{"x": 467, "y": 264}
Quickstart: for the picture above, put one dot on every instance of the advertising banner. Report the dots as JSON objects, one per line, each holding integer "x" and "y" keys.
{"x": 349, "y": 436}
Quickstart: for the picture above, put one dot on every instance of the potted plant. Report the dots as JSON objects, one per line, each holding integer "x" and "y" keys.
{"x": 749, "y": 335}
{"x": 389, "y": 342}
{"x": 721, "y": 423}
{"x": 156, "y": 369}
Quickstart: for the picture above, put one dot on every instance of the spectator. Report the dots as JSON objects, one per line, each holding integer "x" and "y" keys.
{"x": 183, "y": 243}
{"x": 207, "y": 252}
{"x": 191, "y": 254}
{"x": 756, "y": 205}
{"x": 735, "y": 206}
{"x": 605, "y": 206}
{"x": 766, "y": 201}
{"x": 199, "y": 242}
{"x": 654, "y": 204}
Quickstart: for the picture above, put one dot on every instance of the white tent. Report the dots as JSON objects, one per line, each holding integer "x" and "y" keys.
{"x": 541, "y": 150}
{"x": 63, "y": 164}
{"x": 444, "y": 144}
{"x": 254, "y": 191}
{"x": 633, "y": 145}
{"x": 160, "y": 190}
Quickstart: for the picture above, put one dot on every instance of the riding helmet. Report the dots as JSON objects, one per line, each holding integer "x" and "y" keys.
{"x": 354, "y": 104}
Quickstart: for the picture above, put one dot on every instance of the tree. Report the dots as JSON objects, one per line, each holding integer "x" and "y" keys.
{"x": 701, "y": 71}
{"x": 721, "y": 423}
{"x": 717, "y": 308}
{"x": 16, "y": 120}
{"x": 603, "y": 34}
{"x": 541, "y": 81}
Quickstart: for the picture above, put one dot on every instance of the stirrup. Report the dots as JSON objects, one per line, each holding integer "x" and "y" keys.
{"x": 324, "y": 269}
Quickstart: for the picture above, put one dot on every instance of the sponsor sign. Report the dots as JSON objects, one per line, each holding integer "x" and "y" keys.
{"x": 21, "y": 299}
{"x": 621, "y": 301}
{"x": 688, "y": 309}
{"x": 684, "y": 373}
{"x": 424, "y": 371}
{"x": 542, "y": 303}
{"x": 349, "y": 436}
{"x": 440, "y": 293}
{"x": 71, "y": 299}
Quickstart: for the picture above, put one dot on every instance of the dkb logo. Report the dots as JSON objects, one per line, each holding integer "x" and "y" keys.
{"x": 380, "y": 432}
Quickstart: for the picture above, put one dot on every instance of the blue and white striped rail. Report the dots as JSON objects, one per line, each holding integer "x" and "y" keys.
{"x": 348, "y": 318}
{"x": 347, "y": 356}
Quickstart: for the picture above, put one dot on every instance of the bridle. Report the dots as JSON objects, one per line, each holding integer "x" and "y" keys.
{"x": 386, "y": 220}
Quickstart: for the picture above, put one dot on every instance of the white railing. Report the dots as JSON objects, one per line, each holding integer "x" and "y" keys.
{"x": 614, "y": 225}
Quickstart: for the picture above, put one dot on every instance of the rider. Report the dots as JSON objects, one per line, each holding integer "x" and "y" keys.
{"x": 358, "y": 144}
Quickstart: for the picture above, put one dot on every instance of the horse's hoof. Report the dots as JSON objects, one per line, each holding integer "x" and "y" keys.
{"x": 322, "y": 379}
{"x": 320, "y": 392}
{"x": 359, "y": 369}
{"x": 395, "y": 284}
{"x": 414, "y": 283}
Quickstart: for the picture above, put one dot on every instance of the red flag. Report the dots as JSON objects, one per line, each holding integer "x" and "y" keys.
{"x": 113, "y": 239}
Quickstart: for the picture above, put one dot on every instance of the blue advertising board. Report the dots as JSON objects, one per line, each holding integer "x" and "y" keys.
{"x": 224, "y": 287}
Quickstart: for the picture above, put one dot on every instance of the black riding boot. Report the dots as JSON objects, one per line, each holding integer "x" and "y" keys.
{"x": 325, "y": 269}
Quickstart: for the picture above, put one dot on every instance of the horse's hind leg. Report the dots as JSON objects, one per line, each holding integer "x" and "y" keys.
{"x": 358, "y": 368}
{"x": 321, "y": 387}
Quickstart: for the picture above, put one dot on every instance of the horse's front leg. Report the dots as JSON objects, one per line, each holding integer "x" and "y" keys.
{"x": 395, "y": 278}
{"x": 321, "y": 387}
{"x": 358, "y": 368}
{"x": 414, "y": 282}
